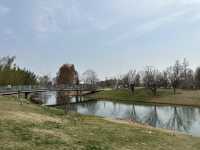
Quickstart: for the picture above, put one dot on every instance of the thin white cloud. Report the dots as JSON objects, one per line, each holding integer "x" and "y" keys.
{"x": 62, "y": 16}
{"x": 154, "y": 24}
{"x": 54, "y": 16}
{"x": 149, "y": 26}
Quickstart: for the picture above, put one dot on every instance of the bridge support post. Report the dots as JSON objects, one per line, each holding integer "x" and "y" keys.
{"x": 26, "y": 95}
{"x": 18, "y": 94}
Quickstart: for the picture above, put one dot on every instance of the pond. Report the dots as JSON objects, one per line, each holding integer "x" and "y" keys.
{"x": 178, "y": 118}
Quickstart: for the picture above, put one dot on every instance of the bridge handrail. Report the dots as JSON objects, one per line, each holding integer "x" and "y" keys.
{"x": 36, "y": 87}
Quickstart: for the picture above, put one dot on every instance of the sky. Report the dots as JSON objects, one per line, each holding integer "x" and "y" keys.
{"x": 108, "y": 36}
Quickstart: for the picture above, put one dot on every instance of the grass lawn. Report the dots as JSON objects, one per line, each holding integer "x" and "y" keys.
{"x": 164, "y": 96}
{"x": 32, "y": 127}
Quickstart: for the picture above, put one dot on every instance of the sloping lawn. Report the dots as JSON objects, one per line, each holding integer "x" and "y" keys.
{"x": 31, "y": 127}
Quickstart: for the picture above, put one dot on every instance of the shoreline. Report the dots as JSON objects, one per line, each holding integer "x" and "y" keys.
{"x": 146, "y": 126}
{"x": 143, "y": 102}
{"x": 185, "y": 98}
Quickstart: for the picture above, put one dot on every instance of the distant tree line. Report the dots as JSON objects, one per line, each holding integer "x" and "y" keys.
{"x": 179, "y": 75}
{"x": 10, "y": 74}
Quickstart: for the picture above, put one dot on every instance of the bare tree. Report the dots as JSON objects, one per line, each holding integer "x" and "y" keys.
{"x": 137, "y": 80}
{"x": 124, "y": 81}
{"x": 162, "y": 79}
{"x": 187, "y": 76}
{"x": 189, "y": 82}
{"x": 118, "y": 80}
{"x": 45, "y": 80}
{"x": 90, "y": 77}
{"x": 132, "y": 80}
{"x": 185, "y": 68}
{"x": 174, "y": 75}
{"x": 150, "y": 79}
{"x": 197, "y": 78}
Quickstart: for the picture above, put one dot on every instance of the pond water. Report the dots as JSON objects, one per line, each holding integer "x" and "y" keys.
{"x": 178, "y": 118}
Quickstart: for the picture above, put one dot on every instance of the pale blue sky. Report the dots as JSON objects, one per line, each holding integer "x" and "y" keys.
{"x": 109, "y": 36}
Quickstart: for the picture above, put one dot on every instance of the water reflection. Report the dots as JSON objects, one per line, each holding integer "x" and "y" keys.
{"x": 183, "y": 119}
{"x": 56, "y": 98}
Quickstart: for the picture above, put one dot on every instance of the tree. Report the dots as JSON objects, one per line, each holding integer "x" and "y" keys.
{"x": 137, "y": 80}
{"x": 67, "y": 75}
{"x": 10, "y": 74}
{"x": 197, "y": 78}
{"x": 45, "y": 81}
{"x": 174, "y": 74}
{"x": 189, "y": 82}
{"x": 90, "y": 77}
{"x": 163, "y": 80}
{"x": 187, "y": 76}
{"x": 132, "y": 80}
{"x": 118, "y": 81}
{"x": 185, "y": 68}
{"x": 108, "y": 82}
{"x": 7, "y": 62}
{"x": 150, "y": 79}
{"x": 124, "y": 81}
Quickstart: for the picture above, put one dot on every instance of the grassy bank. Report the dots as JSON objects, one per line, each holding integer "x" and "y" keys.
{"x": 164, "y": 96}
{"x": 33, "y": 127}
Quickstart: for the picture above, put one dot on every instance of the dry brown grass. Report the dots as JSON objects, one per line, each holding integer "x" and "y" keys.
{"x": 33, "y": 127}
{"x": 183, "y": 97}
{"x": 19, "y": 116}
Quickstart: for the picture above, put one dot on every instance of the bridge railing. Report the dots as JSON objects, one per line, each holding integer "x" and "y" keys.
{"x": 9, "y": 88}
{"x": 20, "y": 88}
{"x": 76, "y": 87}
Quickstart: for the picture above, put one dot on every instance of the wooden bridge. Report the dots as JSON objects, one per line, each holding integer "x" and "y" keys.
{"x": 12, "y": 90}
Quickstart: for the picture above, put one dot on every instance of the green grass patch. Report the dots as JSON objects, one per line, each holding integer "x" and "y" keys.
{"x": 125, "y": 95}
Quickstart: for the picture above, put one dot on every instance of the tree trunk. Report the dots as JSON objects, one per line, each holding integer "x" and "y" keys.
{"x": 155, "y": 91}
{"x": 174, "y": 90}
{"x": 132, "y": 88}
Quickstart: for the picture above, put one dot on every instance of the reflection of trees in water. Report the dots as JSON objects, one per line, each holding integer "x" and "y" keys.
{"x": 63, "y": 99}
{"x": 181, "y": 119}
{"x": 132, "y": 114}
{"x": 92, "y": 107}
{"x": 60, "y": 98}
{"x": 40, "y": 97}
{"x": 114, "y": 108}
{"x": 188, "y": 115}
{"x": 152, "y": 118}
{"x": 78, "y": 99}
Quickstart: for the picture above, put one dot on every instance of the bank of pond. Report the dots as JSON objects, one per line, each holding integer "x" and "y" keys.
{"x": 185, "y": 119}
